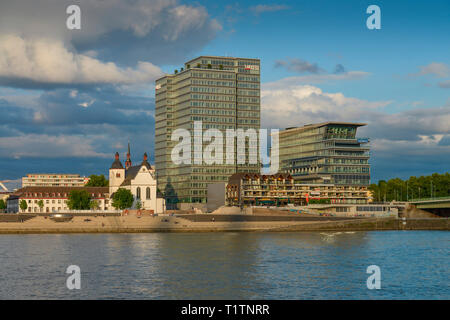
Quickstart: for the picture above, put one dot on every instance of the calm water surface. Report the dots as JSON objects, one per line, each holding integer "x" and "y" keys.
{"x": 414, "y": 265}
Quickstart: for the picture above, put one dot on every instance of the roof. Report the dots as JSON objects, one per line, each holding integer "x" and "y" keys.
{"x": 116, "y": 165}
{"x": 222, "y": 57}
{"x": 147, "y": 165}
{"x": 323, "y": 124}
{"x": 132, "y": 172}
{"x": 213, "y": 57}
{"x": 77, "y": 175}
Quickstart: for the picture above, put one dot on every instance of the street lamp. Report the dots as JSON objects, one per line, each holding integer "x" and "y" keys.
{"x": 407, "y": 195}
{"x": 431, "y": 192}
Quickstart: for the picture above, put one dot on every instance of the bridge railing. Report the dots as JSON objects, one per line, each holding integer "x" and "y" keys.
{"x": 429, "y": 199}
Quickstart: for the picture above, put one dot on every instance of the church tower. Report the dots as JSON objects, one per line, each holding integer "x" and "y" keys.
{"x": 128, "y": 162}
{"x": 116, "y": 175}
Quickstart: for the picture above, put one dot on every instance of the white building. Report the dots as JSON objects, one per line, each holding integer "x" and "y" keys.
{"x": 54, "y": 180}
{"x": 139, "y": 179}
{"x": 53, "y": 199}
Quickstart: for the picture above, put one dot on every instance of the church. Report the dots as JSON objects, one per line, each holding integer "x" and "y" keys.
{"x": 139, "y": 179}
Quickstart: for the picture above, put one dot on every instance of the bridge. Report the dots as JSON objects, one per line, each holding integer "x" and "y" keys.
{"x": 439, "y": 206}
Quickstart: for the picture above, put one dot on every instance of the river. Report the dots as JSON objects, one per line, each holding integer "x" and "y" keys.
{"x": 301, "y": 265}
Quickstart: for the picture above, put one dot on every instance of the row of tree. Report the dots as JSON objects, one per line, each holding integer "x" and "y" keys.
{"x": 436, "y": 185}
{"x": 81, "y": 200}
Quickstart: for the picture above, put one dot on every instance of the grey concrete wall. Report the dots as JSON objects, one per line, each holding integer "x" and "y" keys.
{"x": 216, "y": 196}
{"x": 191, "y": 206}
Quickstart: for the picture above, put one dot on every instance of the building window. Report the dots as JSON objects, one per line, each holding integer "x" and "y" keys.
{"x": 117, "y": 175}
{"x": 148, "y": 193}
{"x": 138, "y": 193}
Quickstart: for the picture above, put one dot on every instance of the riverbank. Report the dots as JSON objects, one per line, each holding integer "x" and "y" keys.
{"x": 147, "y": 224}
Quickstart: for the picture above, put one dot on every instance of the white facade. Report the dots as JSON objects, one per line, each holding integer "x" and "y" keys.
{"x": 143, "y": 188}
{"x": 140, "y": 180}
{"x": 54, "y": 199}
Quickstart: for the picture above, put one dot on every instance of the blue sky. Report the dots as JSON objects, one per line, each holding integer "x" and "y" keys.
{"x": 70, "y": 99}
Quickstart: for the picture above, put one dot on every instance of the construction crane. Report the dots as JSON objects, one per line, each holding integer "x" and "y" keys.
{"x": 3, "y": 186}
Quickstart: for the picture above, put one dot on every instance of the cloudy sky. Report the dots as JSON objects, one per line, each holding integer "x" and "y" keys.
{"x": 69, "y": 99}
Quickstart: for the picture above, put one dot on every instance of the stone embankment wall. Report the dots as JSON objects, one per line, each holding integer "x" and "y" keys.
{"x": 374, "y": 224}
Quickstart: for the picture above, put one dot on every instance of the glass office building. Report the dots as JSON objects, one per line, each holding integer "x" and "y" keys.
{"x": 221, "y": 92}
{"x": 325, "y": 153}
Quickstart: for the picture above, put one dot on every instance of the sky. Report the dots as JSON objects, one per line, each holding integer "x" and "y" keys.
{"x": 69, "y": 99}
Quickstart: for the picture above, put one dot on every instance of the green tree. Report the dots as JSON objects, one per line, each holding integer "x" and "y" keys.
{"x": 94, "y": 205}
{"x": 436, "y": 185}
{"x": 78, "y": 200}
{"x": 40, "y": 204}
{"x": 138, "y": 204}
{"x": 97, "y": 181}
{"x": 2, "y": 204}
{"x": 23, "y": 205}
{"x": 122, "y": 199}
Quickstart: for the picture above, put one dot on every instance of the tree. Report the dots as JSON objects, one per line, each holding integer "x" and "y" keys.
{"x": 78, "y": 200}
{"x": 94, "y": 205}
{"x": 122, "y": 199}
{"x": 436, "y": 185}
{"x": 23, "y": 205}
{"x": 40, "y": 204}
{"x": 97, "y": 181}
{"x": 2, "y": 204}
{"x": 138, "y": 204}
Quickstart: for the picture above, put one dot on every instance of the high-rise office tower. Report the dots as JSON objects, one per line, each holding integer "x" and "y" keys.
{"x": 221, "y": 92}
{"x": 326, "y": 152}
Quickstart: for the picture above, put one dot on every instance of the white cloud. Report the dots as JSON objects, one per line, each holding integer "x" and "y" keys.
{"x": 445, "y": 84}
{"x": 49, "y": 61}
{"x": 292, "y": 105}
{"x": 188, "y": 18}
{"x": 317, "y": 79}
{"x": 427, "y": 146}
{"x": 415, "y": 131}
{"x": 147, "y": 30}
{"x": 32, "y": 145}
{"x": 440, "y": 70}
{"x": 262, "y": 8}
{"x": 87, "y": 103}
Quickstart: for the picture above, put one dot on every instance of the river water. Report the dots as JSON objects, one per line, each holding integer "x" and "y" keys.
{"x": 303, "y": 265}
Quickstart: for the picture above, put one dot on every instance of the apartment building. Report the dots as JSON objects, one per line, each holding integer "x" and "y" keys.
{"x": 54, "y": 180}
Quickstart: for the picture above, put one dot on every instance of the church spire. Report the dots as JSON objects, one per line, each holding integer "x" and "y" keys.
{"x": 128, "y": 162}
